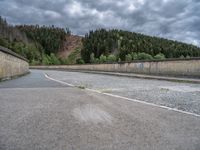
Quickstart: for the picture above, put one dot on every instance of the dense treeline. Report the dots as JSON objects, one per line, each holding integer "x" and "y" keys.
{"x": 39, "y": 44}
{"x": 124, "y": 44}
{"x": 10, "y": 32}
{"x": 50, "y": 38}
{"x": 13, "y": 38}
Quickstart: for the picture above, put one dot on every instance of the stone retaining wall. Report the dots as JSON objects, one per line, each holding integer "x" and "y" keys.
{"x": 188, "y": 67}
{"x": 12, "y": 64}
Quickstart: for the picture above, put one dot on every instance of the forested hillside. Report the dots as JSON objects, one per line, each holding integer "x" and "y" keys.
{"x": 50, "y": 38}
{"x": 117, "y": 45}
{"x": 50, "y": 45}
{"x": 39, "y": 44}
{"x": 16, "y": 40}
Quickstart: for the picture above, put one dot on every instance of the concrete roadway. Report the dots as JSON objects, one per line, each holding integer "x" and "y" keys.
{"x": 39, "y": 113}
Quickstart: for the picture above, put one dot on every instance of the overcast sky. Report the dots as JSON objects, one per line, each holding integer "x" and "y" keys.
{"x": 173, "y": 19}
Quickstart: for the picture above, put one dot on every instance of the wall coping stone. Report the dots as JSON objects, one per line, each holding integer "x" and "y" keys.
{"x": 10, "y": 52}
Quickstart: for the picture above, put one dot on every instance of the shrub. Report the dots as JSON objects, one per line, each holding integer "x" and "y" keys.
{"x": 144, "y": 56}
{"x": 80, "y": 61}
{"x": 103, "y": 59}
{"x": 71, "y": 59}
{"x": 96, "y": 61}
{"x": 54, "y": 60}
{"x": 32, "y": 53}
{"x": 50, "y": 60}
{"x": 159, "y": 56}
{"x": 46, "y": 60}
{"x": 35, "y": 62}
{"x": 4, "y": 42}
{"x": 92, "y": 58}
{"x": 64, "y": 61}
{"x": 128, "y": 58}
{"x": 134, "y": 56}
{"x": 188, "y": 57}
{"x": 111, "y": 58}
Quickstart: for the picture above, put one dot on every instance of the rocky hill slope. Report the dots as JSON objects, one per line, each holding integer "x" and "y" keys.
{"x": 71, "y": 43}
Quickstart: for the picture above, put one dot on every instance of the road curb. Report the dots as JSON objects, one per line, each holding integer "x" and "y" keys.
{"x": 173, "y": 79}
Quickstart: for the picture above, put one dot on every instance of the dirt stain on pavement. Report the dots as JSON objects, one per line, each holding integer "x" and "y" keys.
{"x": 92, "y": 113}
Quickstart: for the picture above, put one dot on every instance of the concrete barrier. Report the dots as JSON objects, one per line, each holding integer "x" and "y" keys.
{"x": 174, "y": 67}
{"x": 12, "y": 64}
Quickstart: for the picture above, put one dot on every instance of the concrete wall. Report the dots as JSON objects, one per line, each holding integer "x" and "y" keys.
{"x": 189, "y": 67}
{"x": 11, "y": 64}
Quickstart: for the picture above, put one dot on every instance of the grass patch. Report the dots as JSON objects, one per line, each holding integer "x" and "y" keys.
{"x": 164, "y": 89}
{"x": 81, "y": 87}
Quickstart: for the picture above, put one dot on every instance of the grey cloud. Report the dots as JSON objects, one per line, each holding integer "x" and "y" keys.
{"x": 178, "y": 20}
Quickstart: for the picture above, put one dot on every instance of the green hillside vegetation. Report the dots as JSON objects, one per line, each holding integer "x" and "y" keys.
{"x": 73, "y": 57}
{"x": 50, "y": 38}
{"x": 12, "y": 38}
{"x": 116, "y": 45}
{"x": 39, "y": 44}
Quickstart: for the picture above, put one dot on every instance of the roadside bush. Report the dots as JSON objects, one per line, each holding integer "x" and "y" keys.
{"x": 4, "y": 42}
{"x": 19, "y": 48}
{"x": 111, "y": 58}
{"x": 103, "y": 59}
{"x": 46, "y": 60}
{"x": 159, "y": 56}
{"x": 80, "y": 61}
{"x": 54, "y": 60}
{"x": 188, "y": 57}
{"x": 64, "y": 61}
{"x": 134, "y": 56}
{"x": 71, "y": 59}
{"x": 50, "y": 60}
{"x": 144, "y": 56}
{"x": 32, "y": 53}
{"x": 92, "y": 58}
{"x": 128, "y": 58}
{"x": 96, "y": 61}
{"x": 35, "y": 62}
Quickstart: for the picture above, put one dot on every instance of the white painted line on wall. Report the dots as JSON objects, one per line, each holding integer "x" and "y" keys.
{"x": 125, "y": 98}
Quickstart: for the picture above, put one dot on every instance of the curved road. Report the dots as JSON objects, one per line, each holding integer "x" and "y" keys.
{"x": 45, "y": 112}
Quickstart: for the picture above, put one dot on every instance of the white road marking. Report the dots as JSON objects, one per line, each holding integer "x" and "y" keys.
{"x": 129, "y": 99}
{"x": 47, "y": 76}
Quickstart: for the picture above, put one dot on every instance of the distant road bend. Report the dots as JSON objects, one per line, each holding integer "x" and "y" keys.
{"x": 70, "y": 110}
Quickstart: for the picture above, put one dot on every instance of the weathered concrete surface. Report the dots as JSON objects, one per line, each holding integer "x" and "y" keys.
{"x": 178, "y": 95}
{"x": 40, "y": 114}
{"x": 190, "y": 67}
{"x": 11, "y": 64}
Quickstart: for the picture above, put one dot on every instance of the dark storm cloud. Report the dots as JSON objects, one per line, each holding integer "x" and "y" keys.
{"x": 172, "y": 19}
